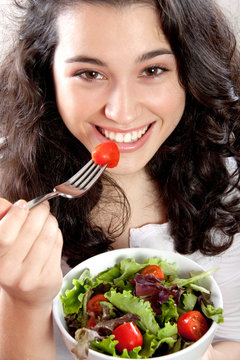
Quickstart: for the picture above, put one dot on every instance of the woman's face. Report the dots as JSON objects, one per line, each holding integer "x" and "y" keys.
{"x": 116, "y": 79}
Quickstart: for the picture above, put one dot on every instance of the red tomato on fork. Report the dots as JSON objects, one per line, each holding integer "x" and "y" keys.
{"x": 106, "y": 153}
{"x": 128, "y": 336}
{"x": 192, "y": 325}
{"x": 153, "y": 270}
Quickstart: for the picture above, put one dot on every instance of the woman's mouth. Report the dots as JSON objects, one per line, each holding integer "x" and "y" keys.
{"x": 124, "y": 137}
{"x": 126, "y": 140}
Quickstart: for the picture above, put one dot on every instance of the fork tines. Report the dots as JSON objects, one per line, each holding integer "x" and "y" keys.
{"x": 87, "y": 175}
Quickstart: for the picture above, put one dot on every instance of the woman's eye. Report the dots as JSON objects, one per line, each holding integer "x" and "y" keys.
{"x": 153, "y": 71}
{"x": 90, "y": 75}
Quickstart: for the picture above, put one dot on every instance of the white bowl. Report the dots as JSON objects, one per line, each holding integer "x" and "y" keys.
{"x": 101, "y": 262}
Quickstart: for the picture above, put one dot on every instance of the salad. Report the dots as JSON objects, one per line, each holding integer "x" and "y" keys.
{"x": 138, "y": 310}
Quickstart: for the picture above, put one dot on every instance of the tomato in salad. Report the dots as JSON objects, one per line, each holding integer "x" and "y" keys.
{"x": 94, "y": 306}
{"x": 91, "y": 322}
{"x": 153, "y": 270}
{"x": 192, "y": 325}
{"x": 128, "y": 336}
{"x": 106, "y": 153}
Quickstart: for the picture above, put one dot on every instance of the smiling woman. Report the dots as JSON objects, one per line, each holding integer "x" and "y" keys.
{"x": 137, "y": 102}
{"x": 147, "y": 75}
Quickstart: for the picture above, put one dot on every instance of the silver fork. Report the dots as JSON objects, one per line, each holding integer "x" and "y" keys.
{"x": 74, "y": 187}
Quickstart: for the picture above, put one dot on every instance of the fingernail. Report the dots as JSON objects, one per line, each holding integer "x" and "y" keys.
{"x": 21, "y": 204}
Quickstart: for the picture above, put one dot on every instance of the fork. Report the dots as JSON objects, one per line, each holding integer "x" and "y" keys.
{"x": 74, "y": 187}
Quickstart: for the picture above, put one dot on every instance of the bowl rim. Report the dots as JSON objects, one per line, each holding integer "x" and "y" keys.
{"x": 126, "y": 253}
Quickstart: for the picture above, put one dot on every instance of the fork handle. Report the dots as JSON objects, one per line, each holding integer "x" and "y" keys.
{"x": 38, "y": 200}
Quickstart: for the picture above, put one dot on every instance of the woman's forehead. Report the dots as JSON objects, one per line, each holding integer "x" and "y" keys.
{"x": 85, "y": 23}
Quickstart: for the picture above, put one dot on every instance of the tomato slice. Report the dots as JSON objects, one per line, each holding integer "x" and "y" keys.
{"x": 106, "y": 153}
{"x": 192, "y": 325}
{"x": 153, "y": 270}
{"x": 94, "y": 306}
{"x": 128, "y": 336}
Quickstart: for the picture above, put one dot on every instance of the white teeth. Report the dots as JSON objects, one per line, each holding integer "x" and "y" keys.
{"x": 134, "y": 136}
{"x": 119, "y": 137}
{"x": 124, "y": 137}
{"x": 109, "y": 135}
{"x": 127, "y": 138}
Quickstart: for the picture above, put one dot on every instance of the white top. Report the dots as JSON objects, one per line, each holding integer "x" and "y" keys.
{"x": 227, "y": 277}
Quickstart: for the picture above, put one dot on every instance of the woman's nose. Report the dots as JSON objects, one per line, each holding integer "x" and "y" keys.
{"x": 122, "y": 104}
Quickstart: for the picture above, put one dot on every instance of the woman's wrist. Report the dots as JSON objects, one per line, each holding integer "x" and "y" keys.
{"x": 34, "y": 322}
{"x": 8, "y": 300}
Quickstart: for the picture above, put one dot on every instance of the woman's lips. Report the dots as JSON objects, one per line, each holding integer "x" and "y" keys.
{"x": 124, "y": 137}
{"x": 127, "y": 141}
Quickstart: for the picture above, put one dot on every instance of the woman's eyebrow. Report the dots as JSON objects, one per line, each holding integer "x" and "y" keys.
{"x": 95, "y": 61}
{"x": 85, "y": 59}
{"x": 152, "y": 54}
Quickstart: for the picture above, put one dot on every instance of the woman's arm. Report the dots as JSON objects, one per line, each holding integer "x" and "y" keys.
{"x": 223, "y": 350}
{"x": 26, "y": 332}
{"x": 30, "y": 277}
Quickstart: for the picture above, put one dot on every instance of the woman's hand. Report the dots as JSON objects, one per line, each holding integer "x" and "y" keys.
{"x": 30, "y": 253}
{"x": 30, "y": 277}
{"x": 223, "y": 350}
{"x": 209, "y": 354}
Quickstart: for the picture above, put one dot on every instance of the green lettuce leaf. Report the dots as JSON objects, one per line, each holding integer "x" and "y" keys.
{"x": 188, "y": 300}
{"x": 210, "y": 312}
{"x": 151, "y": 343}
{"x": 73, "y": 299}
{"x": 128, "y": 268}
{"x": 167, "y": 331}
{"x": 134, "y": 354}
{"x": 169, "y": 311}
{"x": 109, "y": 275}
{"x": 108, "y": 346}
{"x": 105, "y": 346}
{"x": 194, "y": 279}
{"x": 199, "y": 288}
{"x": 126, "y": 302}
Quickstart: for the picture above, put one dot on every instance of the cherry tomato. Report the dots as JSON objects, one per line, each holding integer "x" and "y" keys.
{"x": 153, "y": 270}
{"x": 192, "y": 325}
{"x": 128, "y": 336}
{"x": 91, "y": 322}
{"x": 106, "y": 153}
{"x": 94, "y": 306}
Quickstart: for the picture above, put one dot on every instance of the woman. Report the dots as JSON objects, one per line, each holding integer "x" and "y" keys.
{"x": 161, "y": 79}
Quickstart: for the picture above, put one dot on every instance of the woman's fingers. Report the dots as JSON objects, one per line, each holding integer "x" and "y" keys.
{"x": 11, "y": 223}
{"x": 30, "y": 252}
{"x": 41, "y": 268}
{"x": 42, "y": 246}
{"x": 30, "y": 231}
{"x": 51, "y": 271}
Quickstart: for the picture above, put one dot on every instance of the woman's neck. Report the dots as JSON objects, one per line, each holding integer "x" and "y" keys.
{"x": 145, "y": 202}
{"x": 145, "y": 205}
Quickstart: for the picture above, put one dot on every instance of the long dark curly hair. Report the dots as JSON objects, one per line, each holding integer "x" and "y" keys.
{"x": 38, "y": 151}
